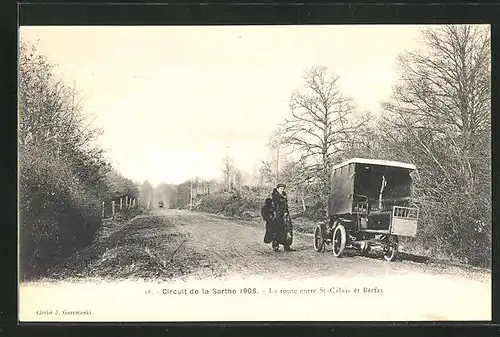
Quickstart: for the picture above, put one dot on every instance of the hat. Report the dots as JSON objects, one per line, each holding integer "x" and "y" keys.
{"x": 280, "y": 185}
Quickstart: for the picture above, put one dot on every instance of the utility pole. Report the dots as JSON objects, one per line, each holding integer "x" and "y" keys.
{"x": 277, "y": 163}
{"x": 276, "y": 142}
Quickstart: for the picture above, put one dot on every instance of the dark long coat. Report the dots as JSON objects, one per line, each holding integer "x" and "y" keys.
{"x": 276, "y": 207}
{"x": 268, "y": 214}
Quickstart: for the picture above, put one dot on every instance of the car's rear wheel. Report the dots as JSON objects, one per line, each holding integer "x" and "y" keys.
{"x": 391, "y": 248}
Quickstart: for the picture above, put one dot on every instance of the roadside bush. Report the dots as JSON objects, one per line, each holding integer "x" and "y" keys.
{"x": 57, "y": 215}
{"x": 460, "y": 234}
{"x": 230, "y": 204}
{"x": 214, "y": 203}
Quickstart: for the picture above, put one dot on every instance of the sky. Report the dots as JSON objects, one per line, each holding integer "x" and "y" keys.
{"x": 173, "y": 101}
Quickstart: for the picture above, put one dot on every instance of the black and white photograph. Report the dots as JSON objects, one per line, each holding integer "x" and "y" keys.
{"x": 254, "y": 173}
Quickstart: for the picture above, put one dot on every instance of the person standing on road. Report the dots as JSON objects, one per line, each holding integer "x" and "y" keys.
{"x": 280, "y": 206}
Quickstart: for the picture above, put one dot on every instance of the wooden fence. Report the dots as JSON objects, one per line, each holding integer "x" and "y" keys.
{"x": 109, "y": 209}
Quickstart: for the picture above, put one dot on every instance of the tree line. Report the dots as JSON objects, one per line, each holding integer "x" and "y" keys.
{"x": 63, "y": 176}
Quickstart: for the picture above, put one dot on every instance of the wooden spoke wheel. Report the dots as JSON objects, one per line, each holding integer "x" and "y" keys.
{"x": 339, "y": 240}
{"x": 391, "y": 248}
{"x": 319, "y": 242}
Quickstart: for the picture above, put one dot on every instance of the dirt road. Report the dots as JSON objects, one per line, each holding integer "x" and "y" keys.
{"x": 165, "y": 244}
{"x": 236, "y": 247}
{"x": 175, "y": 246}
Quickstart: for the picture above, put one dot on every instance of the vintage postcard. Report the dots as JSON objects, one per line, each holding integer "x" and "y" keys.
{"x": 254, "y": 173}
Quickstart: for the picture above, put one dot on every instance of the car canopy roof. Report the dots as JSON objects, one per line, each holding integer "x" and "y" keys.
{"x": 376, "y": 162}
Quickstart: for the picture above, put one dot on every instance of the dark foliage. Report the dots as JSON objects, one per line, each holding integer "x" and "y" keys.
{"x": 63, "y": 177}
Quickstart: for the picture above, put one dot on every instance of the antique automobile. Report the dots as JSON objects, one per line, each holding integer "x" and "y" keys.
{"x": 160, "y": 204}
{"x": 369, "y": 207}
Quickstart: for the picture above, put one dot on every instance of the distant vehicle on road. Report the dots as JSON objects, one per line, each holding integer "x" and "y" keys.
{"x": 160, "y": 204}
{"x": 369, "y": 206}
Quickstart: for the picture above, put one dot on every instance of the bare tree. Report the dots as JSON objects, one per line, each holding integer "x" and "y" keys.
{"x": 443, "y": 100}
{"x": 447, "y": 88}
{"x": 439, "y": 118}
{"x": 238, "y": 179}
{"x": 321, "y": 125}
{"x": 231, "y": 176}
{"x": 227, "y": 169}
{"x": 266, "y": 174}
{"x": 51, "y": 111}
{"x": 276, "y": 143}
